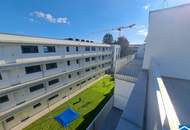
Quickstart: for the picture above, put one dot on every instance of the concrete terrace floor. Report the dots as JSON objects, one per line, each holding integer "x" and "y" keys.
{"x": 132, "y": 68}
{"x": 111, "y": 121}
{"x": 179, "y": 92}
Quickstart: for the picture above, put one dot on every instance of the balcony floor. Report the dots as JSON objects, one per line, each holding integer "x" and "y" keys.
{"x": 112, "y": 119}
{"x": 179, "y": 92}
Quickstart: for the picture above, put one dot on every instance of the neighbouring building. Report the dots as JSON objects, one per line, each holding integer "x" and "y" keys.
{"x": 37, "y": 72}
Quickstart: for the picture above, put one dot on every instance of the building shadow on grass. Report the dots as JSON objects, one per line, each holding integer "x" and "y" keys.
{"x": 88, "y": 118}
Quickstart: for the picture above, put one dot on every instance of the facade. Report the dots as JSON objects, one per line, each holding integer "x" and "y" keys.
{"x": 37, "y": 72}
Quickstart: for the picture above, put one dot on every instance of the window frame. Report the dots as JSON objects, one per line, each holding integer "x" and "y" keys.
{"x": 67, "y": 49}
{"x": 9, "y": 119}
{"x": 30, "y": 70}
{"x": 36, "y": 87}
{"x": 29, "y": 49}
{"x": 37, "y": 105}
{"x": 51, "y": 66}
{"x": 50, "y": 49}
{"x": 6, "y": 99}
{"x": 53, "y": 81}
{"x": 1, "y": 77}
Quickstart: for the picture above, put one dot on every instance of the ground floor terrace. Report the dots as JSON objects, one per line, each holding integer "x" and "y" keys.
{"x": 88, "y": 104}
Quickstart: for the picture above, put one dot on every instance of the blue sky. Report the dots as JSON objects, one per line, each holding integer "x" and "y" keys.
{"x": 79, "y": 18}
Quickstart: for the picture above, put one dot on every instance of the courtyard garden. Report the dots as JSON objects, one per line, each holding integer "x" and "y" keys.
{"x": 87, "y": 103}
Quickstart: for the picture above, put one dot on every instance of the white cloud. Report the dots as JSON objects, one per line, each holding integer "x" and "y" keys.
{"x": 146, "y": 7}
{"x": 49, "y": 17}
{"x": 143, "y": 32}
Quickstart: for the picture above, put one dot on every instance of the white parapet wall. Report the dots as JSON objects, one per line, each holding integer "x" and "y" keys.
{"x": 123, "y": 89}
{"x": 168, "y": 41}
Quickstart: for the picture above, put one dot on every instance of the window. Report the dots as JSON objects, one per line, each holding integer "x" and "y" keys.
{"x": 83, "y": 82}
{"x": 49, "y": 49}
{"x": 77, "y": 48}
{"x": 54, "y": 81}
{"x": 93, "y": 68}
{"x": 68, "y": 63}
{"x": 87, "y": 59}
{"x": 87, "y": 48}
{"x": 51, "y": 98}
{"x": 77, "y": 61}
{"x": 70, "y": 88}
{"x": 32, "y": 69}
{"x": 93, "y": 49}
{"x": 37, "y": 105}
{"x": 1, "y": 77}
{"x": 102, "y": 57}
{"x": 29, "y": 49}
{"x": 10, "y": 119}
{"x": 87, "y": 70}
{"x": 89, "y": 78}
{"x": 103, "y": 49}
{"x": 36, "y": 87}
{"x": 67, "y": 48}
{"x": 93, "y": 58}
{"x": 69, "y": 76}
{"x": 78, "y": 84}
{"x": 78, "y": 73}
{"x": 4, "y": 99}
{"x": 51, "y": 66}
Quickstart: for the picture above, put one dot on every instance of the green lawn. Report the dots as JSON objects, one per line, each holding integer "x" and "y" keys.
{"x": 88, "y": 103}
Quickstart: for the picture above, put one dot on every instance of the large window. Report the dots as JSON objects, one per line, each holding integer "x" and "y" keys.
{"x": 68, "y": 63}
{"x": 36, "y": 87}
{"x": 54, "y": 81}
{"x": 87, "y": 48}
{"x": 53, "y": 97}
{"x": 10, "y": 119}
{"x": 0, "y": 76}
{"x": 4, "y": 99}
{"x": 67, "y": 49}
{"x": 29, "y": 49}
{"x": 93, "y": 58}
{"x": 37, "y": 105}
{"x": 32, "y": 69}
{"x": 51, "y": 66}
{"x": 87, "y": 59}
{"x": 87, "y": 70}
{"x": 49, "y": 49}
{"x": 93, "y": 49}
{"x": 69, "y": 76}
{"x": 77, "y": 48}
{"x": 77, "y": 61}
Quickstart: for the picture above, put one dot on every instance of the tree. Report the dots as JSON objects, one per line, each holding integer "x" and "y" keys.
{"x": 108, "y": 38}
{"x": 124, "y": 44}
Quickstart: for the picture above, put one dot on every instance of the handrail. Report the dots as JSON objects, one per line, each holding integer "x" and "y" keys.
{"x": 164, "y": 98}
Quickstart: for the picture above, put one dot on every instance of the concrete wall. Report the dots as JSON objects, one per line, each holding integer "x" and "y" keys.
{"x": 123, "y": 61}
{"x": 168, "y": 41}
{"x": 99, "y": 119}
{"x": 122, "y": 93}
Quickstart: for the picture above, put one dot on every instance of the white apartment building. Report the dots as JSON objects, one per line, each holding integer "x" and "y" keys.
{"x": 37, "y": 72}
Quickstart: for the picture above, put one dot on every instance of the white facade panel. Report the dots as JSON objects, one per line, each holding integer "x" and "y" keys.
{"x": 168, "y": 41}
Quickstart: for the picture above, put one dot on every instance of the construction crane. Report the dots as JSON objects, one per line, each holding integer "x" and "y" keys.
{"x": 119, "y": 29}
